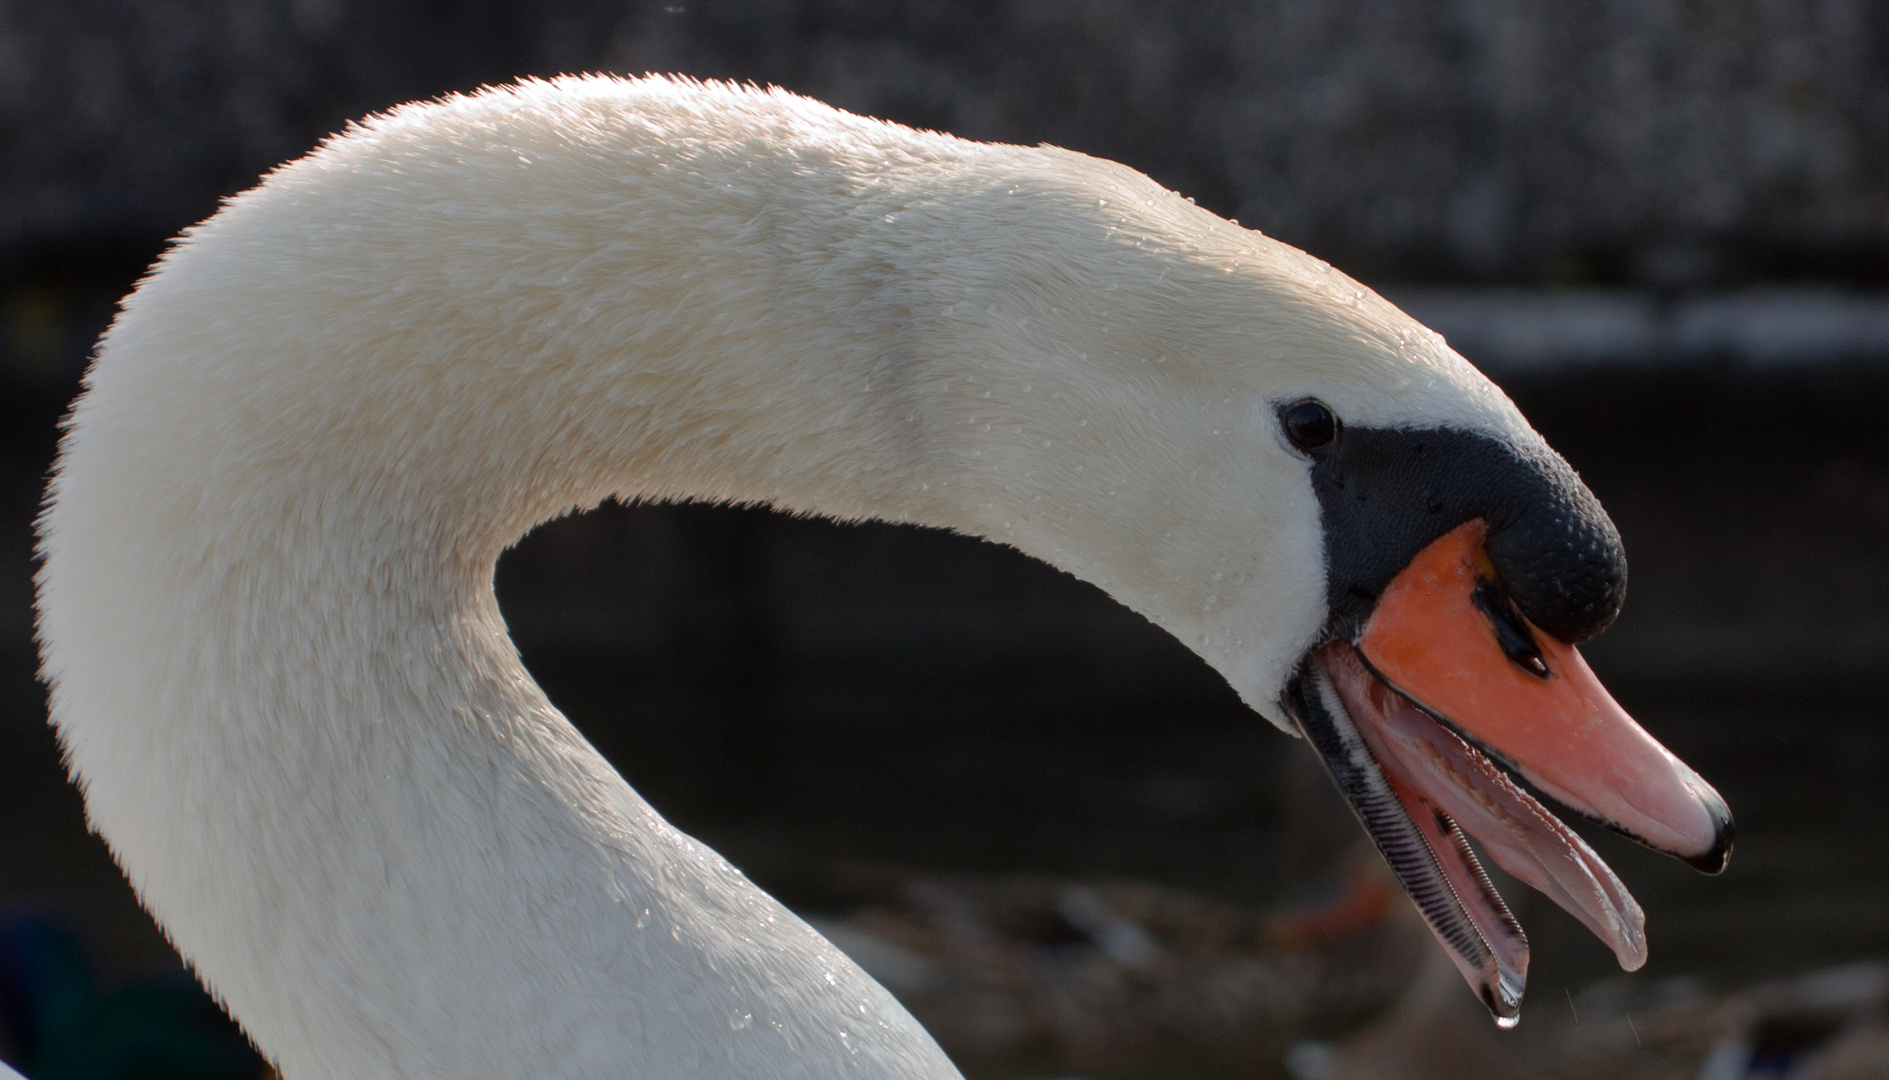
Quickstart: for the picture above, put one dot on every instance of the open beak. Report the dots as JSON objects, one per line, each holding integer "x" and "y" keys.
{"x": 1449, "y": 714}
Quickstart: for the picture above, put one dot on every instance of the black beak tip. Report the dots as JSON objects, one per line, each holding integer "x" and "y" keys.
{"x": 1715, "y": 859}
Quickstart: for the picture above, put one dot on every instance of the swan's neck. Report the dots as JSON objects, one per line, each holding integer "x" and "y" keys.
{"x": 277, "y": 662}
{"x": 316, "y": 751}
{"x": 325, "y": 769}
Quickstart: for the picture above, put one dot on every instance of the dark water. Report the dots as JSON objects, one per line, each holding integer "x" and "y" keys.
{"x": 793, "y": 691}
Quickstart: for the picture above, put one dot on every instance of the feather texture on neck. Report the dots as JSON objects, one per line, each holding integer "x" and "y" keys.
{"x": 266, "y": 605}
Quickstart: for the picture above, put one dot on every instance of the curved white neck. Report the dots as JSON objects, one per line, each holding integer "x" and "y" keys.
{"x": 278, "y": 666}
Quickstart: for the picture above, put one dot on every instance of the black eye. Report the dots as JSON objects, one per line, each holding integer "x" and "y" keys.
{"x": 1309, "y": 424}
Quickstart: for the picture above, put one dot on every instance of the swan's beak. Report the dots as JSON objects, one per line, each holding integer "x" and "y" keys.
{"x": 1444, "y": 716}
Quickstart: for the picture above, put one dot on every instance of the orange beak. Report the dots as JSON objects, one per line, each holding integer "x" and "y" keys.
{"x": 1444, "y": 636}
{"x": 1440, "y": 719}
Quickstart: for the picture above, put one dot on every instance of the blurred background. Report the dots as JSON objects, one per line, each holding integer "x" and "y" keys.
{"x": 1661, "y": 225}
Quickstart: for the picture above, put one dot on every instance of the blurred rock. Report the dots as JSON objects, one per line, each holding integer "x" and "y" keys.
{"x": 1125, "y": 979}
{"x": 1824, "y": 1025}
{"x": 1436, "y": 1031}
{"x": 1673, "y": 143}
{"x": 1021, "y": 973}
{"x": 1858, "y": 1054}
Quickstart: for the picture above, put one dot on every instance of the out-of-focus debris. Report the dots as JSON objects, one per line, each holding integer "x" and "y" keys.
{"x": 1827, "y": 1025}
{"x": 1123, "y": 980}
{"x": 1435, "y": 1031}
{"x": 1310, "y": 1059}
{"x": 1334, "y": 914}
{"x": 1038, "y": 976}
{"x": 1122, "y": 939}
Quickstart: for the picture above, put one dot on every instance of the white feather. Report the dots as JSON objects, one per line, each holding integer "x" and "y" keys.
{"x": 266, "y": 608}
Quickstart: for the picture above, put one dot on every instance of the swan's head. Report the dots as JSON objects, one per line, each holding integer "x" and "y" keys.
{"x": 1359, "y": 530}
{"x": 268, "y": 549}
{"x": 1445, "y": 693}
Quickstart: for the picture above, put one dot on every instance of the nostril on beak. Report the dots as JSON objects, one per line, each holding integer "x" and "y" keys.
{"x": 1512, "y": 632}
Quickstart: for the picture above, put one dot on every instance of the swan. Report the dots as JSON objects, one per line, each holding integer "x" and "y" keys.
{"x": 281, "y": 679}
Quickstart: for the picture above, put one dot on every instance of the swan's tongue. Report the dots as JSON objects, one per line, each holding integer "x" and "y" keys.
{"x": 1439, "y": 776}
{"x": 1448, "y": 686}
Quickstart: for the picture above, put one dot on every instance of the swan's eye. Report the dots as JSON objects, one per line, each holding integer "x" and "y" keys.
{"x": 1309, "y": 424}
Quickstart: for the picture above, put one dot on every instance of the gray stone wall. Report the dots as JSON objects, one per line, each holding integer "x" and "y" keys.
{"x": 1665, "y": 142}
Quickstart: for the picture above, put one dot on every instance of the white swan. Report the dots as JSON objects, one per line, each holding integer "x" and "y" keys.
{"x": 283, "y": 683}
